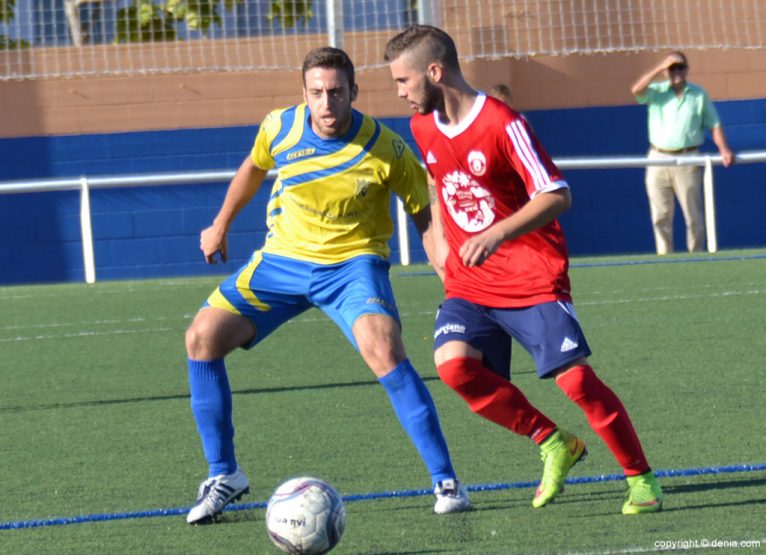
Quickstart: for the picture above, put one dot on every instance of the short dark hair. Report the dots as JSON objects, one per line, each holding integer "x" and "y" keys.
{"x": 433, "y": 45}
{"x": 679, "y": 53}
{"x": 328, "y": 57}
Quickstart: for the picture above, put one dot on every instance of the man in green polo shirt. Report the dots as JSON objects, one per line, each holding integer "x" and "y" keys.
{"x": 679, "y": 114}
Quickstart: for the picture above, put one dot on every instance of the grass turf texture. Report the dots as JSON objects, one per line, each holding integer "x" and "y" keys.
{"x": 95, "y": 418}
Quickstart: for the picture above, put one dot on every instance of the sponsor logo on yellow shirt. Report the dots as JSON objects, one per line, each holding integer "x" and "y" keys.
{"x": 301, "y": 153}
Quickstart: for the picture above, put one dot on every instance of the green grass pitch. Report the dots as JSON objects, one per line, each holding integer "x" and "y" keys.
{"x": 95, "y": 418}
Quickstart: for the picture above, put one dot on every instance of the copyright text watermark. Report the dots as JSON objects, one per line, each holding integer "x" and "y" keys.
{"x": 705, "y": 543}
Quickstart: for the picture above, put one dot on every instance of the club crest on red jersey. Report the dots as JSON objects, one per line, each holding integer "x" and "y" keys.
{"x": 477, "y": 162}
{"x": 470, "y": 205}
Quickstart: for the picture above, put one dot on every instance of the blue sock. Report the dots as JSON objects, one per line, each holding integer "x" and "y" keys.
{"x": 211, "y": 406}
{"x": 417, "y": 414}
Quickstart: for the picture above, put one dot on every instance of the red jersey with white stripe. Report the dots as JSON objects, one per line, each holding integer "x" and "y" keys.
{"x": 486, "y": 168}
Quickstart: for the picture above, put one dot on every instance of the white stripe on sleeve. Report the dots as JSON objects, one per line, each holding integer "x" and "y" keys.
{"x": 529, "y": 157}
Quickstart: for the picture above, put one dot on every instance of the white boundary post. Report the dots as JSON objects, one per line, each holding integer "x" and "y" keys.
{"x": 404, "y": 236}
{"x": 334, "y": 11}
{"x": 86, "y": 231}
{"x": 710, "y": 225}
{"x": 428, "y": 14}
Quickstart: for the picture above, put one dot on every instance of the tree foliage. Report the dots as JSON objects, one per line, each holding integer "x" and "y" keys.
{"x": 146, "y": 21}
{"x": 289, "y": 12}
{"x": 7, "y": 43}
{"x": 7, "y": 13}
{"x": 7, "y": 9}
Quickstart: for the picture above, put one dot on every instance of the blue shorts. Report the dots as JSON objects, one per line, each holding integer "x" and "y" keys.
{"x": 270, "y": 290}
{"x": 549, "y": 332}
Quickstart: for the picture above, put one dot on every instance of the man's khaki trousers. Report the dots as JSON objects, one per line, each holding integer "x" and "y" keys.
{"x": 663, "y": 185}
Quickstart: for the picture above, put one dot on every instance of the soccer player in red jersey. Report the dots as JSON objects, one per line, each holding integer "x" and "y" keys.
{"x": 504, "y": 262}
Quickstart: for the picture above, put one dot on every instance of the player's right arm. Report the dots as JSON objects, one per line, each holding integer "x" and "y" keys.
{"x": 547, "y": 190}
{"x": 538, "y": 212}
{"x": 242, "y": 189}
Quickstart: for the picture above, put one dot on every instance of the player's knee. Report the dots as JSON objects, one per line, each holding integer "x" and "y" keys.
{"x": 380, "y": 358}
{"x": 577, "y": 381}
{"x": 382, "y": 352}
{"x": 456, "y": 372}
{"x": 200, "y": 342}
{"x": 194, "y": 341}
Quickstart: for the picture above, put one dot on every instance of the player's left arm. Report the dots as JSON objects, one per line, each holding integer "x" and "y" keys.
{"x": 429, "y": 225}
{"x": 538, "y": 212}
{"x": 711, "y": 121}
{"x": 719, "y": 138}
{"x": 243, "y": 187}
{"x": 424, "y": 225}
{"x": 410, "y": 181}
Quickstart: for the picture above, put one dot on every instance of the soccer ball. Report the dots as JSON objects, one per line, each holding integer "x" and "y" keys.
{"x": 305, "y": 516}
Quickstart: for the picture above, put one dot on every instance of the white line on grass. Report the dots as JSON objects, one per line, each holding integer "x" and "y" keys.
{"x": 652, "y": 549}
{"x": 57, "y": 291}
{"x": 322, "y": 319}
{"x": 613, "y": 551}
{"x": 80, "y": 334}
{"x": 664, "y": 298}
{"x": 83, "y": 323}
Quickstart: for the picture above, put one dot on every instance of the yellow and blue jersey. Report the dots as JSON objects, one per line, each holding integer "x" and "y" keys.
{"x": 331, "y": 199}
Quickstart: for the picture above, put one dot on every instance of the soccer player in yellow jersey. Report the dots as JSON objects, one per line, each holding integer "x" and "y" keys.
{"x": 329, "y": 223}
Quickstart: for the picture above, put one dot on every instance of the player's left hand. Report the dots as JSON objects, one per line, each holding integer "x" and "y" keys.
{"x": 480, "y": 247}
{"x": 727, "y": 157}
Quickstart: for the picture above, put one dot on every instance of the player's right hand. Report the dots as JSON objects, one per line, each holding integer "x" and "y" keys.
{"x": 672, "y": 59}
{"x": 476, "y": 249}
{"x": 211, "y": 241}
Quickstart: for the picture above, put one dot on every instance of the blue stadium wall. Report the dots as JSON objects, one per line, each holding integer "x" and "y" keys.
{"x": 153, "y": 231}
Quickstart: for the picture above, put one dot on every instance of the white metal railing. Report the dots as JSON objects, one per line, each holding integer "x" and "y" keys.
{"x": 86, "y": 184}
{"x": 705, "y": 160}
{"x": 614, "y": 162}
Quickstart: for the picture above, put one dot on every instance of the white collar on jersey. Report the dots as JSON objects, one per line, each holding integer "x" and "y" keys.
{"x": 452, "y": 131}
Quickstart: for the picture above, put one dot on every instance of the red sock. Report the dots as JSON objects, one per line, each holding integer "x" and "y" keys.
{"x": 606, "y": 415}
{"x": 494, "y": 398}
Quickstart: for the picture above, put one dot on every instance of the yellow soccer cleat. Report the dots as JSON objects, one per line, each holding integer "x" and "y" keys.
{"x": 560, "y": 452}
{"x": 644, "y": 495}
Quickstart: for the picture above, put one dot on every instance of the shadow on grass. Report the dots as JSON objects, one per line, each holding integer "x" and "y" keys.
{"x": 709, "y": 486}
{"x": 666, "y": 509}
{"x": 154, "y": 398}
{"x": 249, "y": 517}
{"x": 674, "y": 496}
{"x": 716, "y": 486}
{"x": 419, "y": 552}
